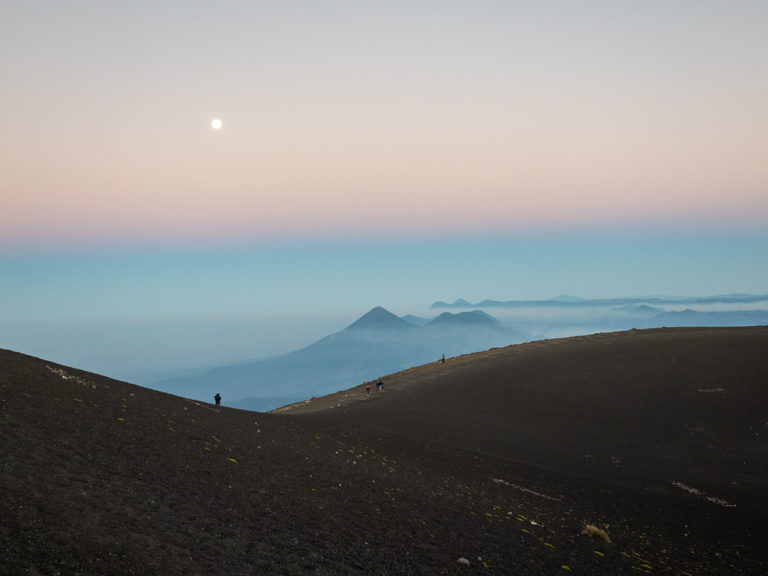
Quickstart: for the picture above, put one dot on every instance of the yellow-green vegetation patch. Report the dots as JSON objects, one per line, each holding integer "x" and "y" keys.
{"x": 594, "y": 532}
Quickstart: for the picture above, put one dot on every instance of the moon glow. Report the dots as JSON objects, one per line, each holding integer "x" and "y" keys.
{"x": 216, "y": 124}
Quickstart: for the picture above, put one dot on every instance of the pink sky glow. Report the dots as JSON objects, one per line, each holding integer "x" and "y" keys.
{"x": 458, "y": 120}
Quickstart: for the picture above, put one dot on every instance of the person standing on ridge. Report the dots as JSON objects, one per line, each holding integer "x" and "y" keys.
{"x": 217, "y": 398}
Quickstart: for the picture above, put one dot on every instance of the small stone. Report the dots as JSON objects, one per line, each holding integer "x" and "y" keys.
{"x": 463, "y": 561}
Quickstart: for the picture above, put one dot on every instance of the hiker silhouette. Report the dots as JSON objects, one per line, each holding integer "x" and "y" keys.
{"x": 217, "y": 398}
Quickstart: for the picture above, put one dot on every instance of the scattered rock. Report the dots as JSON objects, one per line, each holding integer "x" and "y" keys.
{"x": 462, "y": 561}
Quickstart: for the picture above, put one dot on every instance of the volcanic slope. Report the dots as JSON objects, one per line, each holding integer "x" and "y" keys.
{"x": 657, "y": 437}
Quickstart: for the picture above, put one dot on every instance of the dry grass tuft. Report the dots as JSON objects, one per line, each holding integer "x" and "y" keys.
{"x": 594, "y": 532}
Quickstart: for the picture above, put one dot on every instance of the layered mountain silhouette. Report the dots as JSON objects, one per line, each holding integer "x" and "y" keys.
{"x": 569, "y": 315}
{"x": 566, "y": 301}
{"x": 378, "y": 343}
{"x": 379, "y": 318}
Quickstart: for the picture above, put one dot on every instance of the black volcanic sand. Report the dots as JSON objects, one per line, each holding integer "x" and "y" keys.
{"x": 658, "y": 437}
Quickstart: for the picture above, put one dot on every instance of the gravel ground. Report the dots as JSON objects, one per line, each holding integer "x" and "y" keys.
{"x": 501, "y": 458}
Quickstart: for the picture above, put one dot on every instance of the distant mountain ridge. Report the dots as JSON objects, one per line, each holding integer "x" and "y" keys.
{"x": 379, "y": 317}
{"x": 377, "y": 343}
{"x": 380, "y": 343}
{"x": 573, "y": 301}
{"x": 474, "y": 317}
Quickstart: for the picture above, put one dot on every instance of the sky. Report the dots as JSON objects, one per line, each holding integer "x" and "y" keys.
{"x": 370, "y": 154}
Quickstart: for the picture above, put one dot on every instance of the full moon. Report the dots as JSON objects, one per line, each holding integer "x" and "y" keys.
{"x": 216, "y": 124}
